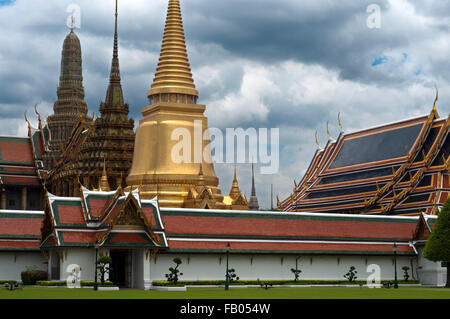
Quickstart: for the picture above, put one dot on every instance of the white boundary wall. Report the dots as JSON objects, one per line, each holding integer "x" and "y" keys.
{"x": 13, "y": 263}
{"x": 278, "y": 267}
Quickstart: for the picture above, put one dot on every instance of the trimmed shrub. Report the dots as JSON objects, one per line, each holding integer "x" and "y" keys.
{"x": 29, "y": 277}
{"x": 64, "y": 283}
{"x": 161, "y": 283}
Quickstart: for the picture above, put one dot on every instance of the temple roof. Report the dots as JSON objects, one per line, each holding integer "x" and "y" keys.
{"x": 20, "y": 230}
{"x": 21, "y": 159}
{"x": 117, "y": 219}
{"x": 104, "y": 218}
{"x": 397, "y": 168}
{"x": 288, "y": 233}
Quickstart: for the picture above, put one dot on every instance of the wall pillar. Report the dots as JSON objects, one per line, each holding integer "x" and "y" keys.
{"x": 23, "y": 205}
{"x": 3, "y": 200}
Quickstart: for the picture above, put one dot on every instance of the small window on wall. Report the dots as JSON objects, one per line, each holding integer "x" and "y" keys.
{"x": 32, "y": 203}
{"x": 11, "y": 202}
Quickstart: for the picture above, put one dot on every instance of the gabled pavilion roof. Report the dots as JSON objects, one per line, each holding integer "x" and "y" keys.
{"x": 400, "y": 168}
{"x": 21, "y": 158}
{"x": 109, "y": 219}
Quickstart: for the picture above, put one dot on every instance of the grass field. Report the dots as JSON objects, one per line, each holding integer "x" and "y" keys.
{"x": 233, "y": 293}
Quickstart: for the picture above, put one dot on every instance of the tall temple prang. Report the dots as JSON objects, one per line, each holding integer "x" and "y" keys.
{"x": 70, "y": 105}
{"x": 100, "y": 151}
{"x": 173, "y": 105}
{"x": 253, "y": 204}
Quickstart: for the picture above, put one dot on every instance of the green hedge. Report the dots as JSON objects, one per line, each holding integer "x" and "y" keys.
{"x": 30, "y": 277}
{"x": 2, "y": 282}
{"x": 273, "y": 282}
{"x": 64, "y": 283}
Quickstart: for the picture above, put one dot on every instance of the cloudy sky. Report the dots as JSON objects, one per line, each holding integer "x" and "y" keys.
{"x": 284, "y": 64}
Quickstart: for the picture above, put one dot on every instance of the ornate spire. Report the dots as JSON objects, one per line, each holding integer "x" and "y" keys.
{"x": 235, "y": 192}
{"x": 253, "y": 203}
{"x": 70, "y": 104}
{"x": 173, "y": 74}
{"x": 114, "y": 94}
{"x": 103, "y": 184}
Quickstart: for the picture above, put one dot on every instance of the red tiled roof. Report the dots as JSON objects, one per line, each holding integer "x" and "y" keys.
{"x": 20, "y": 224}
{"x": 19, "y": 244}
{"x": 16, "y": 150}
{"x": 284, "y": 225}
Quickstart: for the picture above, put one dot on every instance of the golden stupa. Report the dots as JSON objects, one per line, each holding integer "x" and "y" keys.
{"x": 173, "y": 105}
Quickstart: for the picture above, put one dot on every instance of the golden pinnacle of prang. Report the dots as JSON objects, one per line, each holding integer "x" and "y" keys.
{"x": 173, "y": 74}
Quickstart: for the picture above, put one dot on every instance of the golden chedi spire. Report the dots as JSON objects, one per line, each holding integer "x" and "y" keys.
{"x": 235, "y": 192}
{"x": 173, "y": 107}
{"x": 103, "y": 184}
{"x": 173, "y": 74}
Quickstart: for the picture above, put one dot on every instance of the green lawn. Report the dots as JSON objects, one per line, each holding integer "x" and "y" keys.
{"x": 233, "y": 293}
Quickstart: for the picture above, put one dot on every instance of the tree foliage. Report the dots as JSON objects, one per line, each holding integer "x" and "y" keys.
{"x": 437, "y": 247}
{"x": 104, "y": 267}
{"x": 296, "y": 273}
{"x": 232, "y": 275}
{"x": 174, "y": 273}
{"x": 405, "y": 272}
{"x": 351, "y": 275}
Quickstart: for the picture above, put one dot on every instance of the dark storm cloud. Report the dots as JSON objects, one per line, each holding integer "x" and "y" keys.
{"x": 257, "y": 63}
{"x": 333, "y": 34}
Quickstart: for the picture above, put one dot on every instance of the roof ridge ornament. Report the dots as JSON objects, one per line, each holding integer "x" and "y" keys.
{"x": 339, "y": 122}
{"x": 435, "y": 99}
{"x": 317, "y": 142}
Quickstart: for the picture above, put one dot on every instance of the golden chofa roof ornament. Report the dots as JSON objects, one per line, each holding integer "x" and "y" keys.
{"x": 173, "y": 74}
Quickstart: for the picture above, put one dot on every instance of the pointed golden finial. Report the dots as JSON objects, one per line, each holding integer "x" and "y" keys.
{"x": 37, "y": 113}
{"x": 393, "y": 170}
{"x": 328, "y": 132}
{"x": 435, "y": 99}
{"x": 378, "y": 187}
{"x": 103, "y": 184}
{"x": 26, "y": 119}
{"x": 339, "y": 122}
{"x": 295, "y": 183}
{"x": 317, "y": 140}
{"x": 235, "y": 192}
{"x": 278, "y": 202}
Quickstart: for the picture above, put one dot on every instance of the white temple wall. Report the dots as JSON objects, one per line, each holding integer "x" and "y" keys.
{"x": 13, "y": 263}
{"x": 430, "y": 272}
{"x": 84, "y": 257}
{"x": 277, "y": 267}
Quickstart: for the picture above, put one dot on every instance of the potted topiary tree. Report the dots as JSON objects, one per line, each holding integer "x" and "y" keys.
{"x": 232, "y": 275}
{"x": 437, "y": 247}
{"x": 174, "y": 273}
{"x": 103, "y": 266}
{"x": 405, "y": 272}
{"x": 351, "y": 275}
